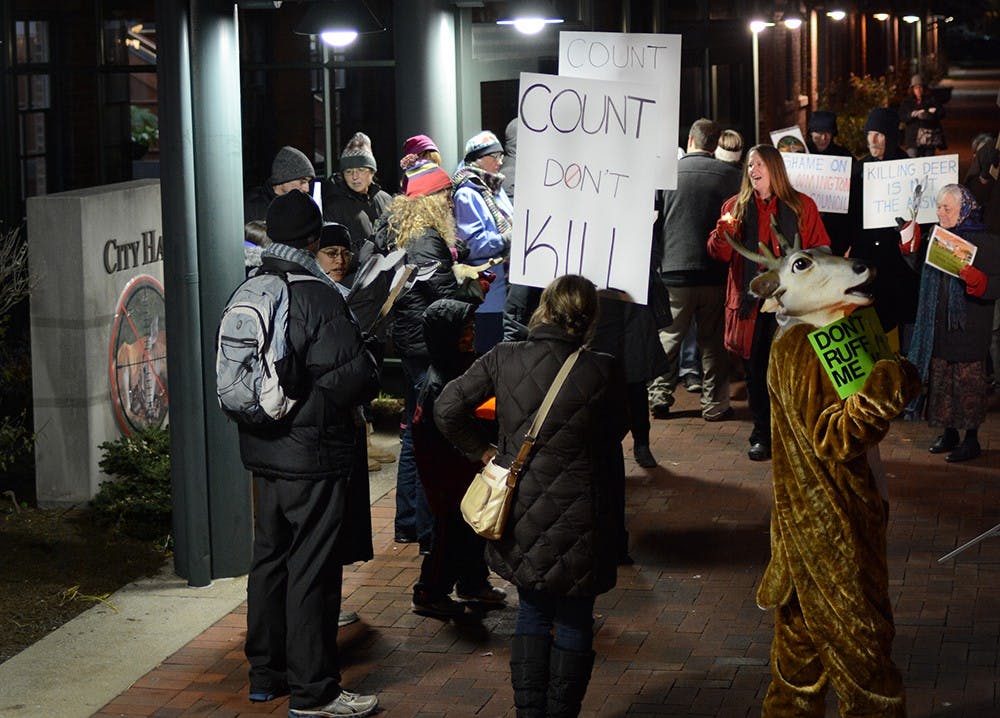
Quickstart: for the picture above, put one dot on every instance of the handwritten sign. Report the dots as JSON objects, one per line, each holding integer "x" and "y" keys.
{"x": 888, "y": 188}
{"x": 654, "y": 59}
{"x": 848, "y": 349}
{"x": 789, "y": 139}
{"x": 825, "y": 178}
{"x": 584, "y": 182}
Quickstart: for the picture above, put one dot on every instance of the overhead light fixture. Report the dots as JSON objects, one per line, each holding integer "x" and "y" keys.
{"x": 530, "y": 17}
{"x": 836, "y": 15}
{"x": 881, "y": 16}
{"x": 910, "y": 19}
{"x": 792, "y": 23}
{"x": 339, "y": 22}
{"x": 758, "y": 26}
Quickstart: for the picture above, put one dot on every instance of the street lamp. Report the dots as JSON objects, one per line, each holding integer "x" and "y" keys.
{"x": 530, "y": 17}
{"x": 918, "y": 44}
{"x": 756, "y": 28}
{"x": 338, "y": 22}
{"x": 836, "y": 15}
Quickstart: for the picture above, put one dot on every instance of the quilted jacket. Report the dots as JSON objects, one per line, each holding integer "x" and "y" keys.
{"x": 560, "y": 536}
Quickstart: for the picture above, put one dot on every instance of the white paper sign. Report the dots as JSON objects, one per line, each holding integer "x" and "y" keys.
{"x": 584, "y": 182}
{"x": 789, "y": 139}
{"x": 640, "y": 58}
{"x": 889, "y": 188}
{"x": 825, "y": 178}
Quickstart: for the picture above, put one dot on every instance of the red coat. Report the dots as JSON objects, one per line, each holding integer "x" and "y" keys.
{"x": 739, "y": 330}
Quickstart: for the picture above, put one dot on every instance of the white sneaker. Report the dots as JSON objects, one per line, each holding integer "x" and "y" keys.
{"x": 346, "y": 704}
{"x": 347, "y": 618}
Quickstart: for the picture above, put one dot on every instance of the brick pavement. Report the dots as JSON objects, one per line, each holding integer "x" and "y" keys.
{"x": 681, "y": 634}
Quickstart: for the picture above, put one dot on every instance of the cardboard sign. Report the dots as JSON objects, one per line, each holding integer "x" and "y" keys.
{"x": 889, "y": 188}
{"x": 848, "y": 349}
{"x": 948, "y": 252}
{"x": 789, "y": 139}
{"x": 825, "y": 178}
{"x": 638, "y": 58}
{"x": 585, "y": 182}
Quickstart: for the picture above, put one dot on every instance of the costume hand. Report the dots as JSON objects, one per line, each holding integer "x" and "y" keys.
{"x": 909, "y": 237}
{"x": 975, "y": 281}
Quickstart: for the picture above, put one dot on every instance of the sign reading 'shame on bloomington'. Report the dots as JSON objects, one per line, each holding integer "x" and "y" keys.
{"x": 98, "y": 341}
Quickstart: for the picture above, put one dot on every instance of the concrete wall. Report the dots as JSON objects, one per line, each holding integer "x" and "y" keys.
{"x": 85, "y": 247}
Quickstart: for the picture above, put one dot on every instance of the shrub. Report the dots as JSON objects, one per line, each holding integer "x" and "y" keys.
{"x": 137, "y": 501}
{"x": 854, "y": 99}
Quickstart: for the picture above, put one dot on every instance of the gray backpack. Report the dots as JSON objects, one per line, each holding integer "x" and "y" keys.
{"x": 252, "y": 349}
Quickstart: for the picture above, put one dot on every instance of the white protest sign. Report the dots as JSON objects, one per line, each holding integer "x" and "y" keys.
{"x": 889, "y": 188}
{"x": 825, "y": 178}
{"x": 640, "y": 58}
{"x": 584, "y": 182}
{"x": 789, "y": 139}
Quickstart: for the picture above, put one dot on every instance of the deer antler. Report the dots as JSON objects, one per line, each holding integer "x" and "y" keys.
{"x": 786, "y": 248}
{"x": 765, "y": 257}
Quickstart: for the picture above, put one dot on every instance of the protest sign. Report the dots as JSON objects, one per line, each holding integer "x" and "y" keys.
{"x": 848, "y": 349}
{"x": 584, "y": 182}
{"x": 789, "y": 139}
{"x": 654, "y": 59}
{"x": 825, "y": 178}
{"x": 888, "y": 188}
{"x": 948, "y": 252}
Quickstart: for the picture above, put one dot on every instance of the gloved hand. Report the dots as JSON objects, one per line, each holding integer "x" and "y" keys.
{"x": 975, "y": 281}
{"x": 485, "y": 280}
{"x": 375, "y": 346}
{"x": 909, "y": 237}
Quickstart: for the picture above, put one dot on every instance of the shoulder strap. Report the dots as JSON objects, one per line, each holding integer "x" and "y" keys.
{"x": 536, "y": 423}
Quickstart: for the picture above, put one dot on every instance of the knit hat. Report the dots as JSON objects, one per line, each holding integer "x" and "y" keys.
{"x": 293, "y": 219}
{"x": 358, "y": 153}
{"x": 485, "y": 143}
{"x": 425, "y": 178}
{"x": 334, "y": 235}
{"x": 917, "y": 80}
{"x": 290, "y": 164}
{"x": 884, "y": 120}
{"x": 417, "y": 144}
{"x": 823, "y": 121}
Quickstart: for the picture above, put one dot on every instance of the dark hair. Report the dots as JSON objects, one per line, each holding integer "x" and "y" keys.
{"x": 570, "y": 303}
{"x": 255, "y": 232}
{"x": 705, "y": 134}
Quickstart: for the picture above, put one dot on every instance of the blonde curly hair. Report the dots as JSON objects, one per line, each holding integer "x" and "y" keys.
{"x": 410, "y": 216}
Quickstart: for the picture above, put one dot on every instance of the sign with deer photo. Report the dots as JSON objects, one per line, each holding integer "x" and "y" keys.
{"x": 904, "y": 188}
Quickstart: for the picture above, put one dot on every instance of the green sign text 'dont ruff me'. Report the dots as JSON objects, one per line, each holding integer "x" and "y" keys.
{"x": 848, "y": 349}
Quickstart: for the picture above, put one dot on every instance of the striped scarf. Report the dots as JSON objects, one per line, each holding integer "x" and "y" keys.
{"x": 304, "y": 259}
{"x": 487, "y": 185}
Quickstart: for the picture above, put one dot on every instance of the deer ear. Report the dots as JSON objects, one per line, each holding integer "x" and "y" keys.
{"x": 765, "y": 284}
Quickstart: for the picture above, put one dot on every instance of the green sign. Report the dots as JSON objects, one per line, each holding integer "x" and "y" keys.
{"x": 849, "y": 347}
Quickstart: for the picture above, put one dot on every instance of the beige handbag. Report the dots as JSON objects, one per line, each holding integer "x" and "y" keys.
{"x": 486, "y": 503}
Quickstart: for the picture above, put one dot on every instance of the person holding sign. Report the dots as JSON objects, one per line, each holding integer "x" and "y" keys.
{"x": 483, "y": 215}
{"x": 952, "y": 331}
{"x": 822, "y": 129}
{"x": 766, "y": 199}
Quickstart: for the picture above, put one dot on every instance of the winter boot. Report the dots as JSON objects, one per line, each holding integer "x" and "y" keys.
{"x": 529, "y": 673}
{"x": 569, "y": 674}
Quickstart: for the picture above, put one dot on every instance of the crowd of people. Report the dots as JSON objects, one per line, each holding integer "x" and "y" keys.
{"x": 465, "y": 335}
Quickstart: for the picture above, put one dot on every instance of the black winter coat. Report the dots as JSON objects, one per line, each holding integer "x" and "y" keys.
{"x": 355, "y": 211}
{"x": 256, "y": 201}
{"x": 407, "y": 329}
{"x": 562, "y": 534}
{"x": 323, "y": 437}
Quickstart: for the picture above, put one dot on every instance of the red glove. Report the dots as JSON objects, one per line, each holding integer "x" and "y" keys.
{"x": 486, "y": 279}
{"x": 909, "y": 237}
{"x": 975, "y": 281}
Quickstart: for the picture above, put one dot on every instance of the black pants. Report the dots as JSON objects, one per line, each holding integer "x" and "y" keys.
{"x": 756, "y": 371}
{"x": 294, "y": 589}
{"x": 456, "y": 557}
{"x": 638, "y": 407}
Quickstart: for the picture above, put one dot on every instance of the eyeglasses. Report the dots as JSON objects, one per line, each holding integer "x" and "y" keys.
{"x": 498, "y": 156}
{"x": 358, "y": 171}
{"x": 337, "y": 253}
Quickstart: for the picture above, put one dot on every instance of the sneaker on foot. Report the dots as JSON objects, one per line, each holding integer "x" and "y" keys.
{"x": 263, "y": 695}
{"x": 445, "y": 607}
{"x": 347, "y": 618}
{"x": 692, "y": 383}
{"x": 347, "y": 704}
{"x": 484, "y": 594}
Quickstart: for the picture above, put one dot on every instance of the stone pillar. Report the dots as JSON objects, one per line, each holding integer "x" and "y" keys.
{"x": 98, "y": 331}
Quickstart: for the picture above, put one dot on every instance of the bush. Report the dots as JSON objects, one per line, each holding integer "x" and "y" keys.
{"x": 15, "y": 439}
{"x": 138, "y": 500}
{"x": 854, "y": 99}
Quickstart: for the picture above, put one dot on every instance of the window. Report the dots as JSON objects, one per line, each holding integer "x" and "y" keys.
{"x": 33, "y": 83}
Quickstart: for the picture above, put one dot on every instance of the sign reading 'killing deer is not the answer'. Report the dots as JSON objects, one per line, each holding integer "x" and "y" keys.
{"x": 889, "y": 188}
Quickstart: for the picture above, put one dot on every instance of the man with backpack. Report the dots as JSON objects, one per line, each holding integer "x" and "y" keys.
{"x": 306, "y": 451}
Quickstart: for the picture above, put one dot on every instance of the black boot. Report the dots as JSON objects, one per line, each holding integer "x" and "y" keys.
{"x": 569, "y": 674}
{"x": 529, "y": 673}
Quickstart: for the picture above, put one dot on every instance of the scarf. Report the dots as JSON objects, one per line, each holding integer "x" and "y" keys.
{"x": 788, "y": 223}
{"x": 486, "y": 184}
{"x": 302, "y": 258}
{"x": 932, "y": 282}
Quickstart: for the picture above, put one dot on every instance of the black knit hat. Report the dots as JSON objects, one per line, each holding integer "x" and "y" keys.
{"x": 886, "y": 121}
{"x": 334, "y": 235}
{"x": 823, "y": 121}
{"x": 290, "y": 164}
{"x": 293, "y": 219}
{"x": 358, "y": 153}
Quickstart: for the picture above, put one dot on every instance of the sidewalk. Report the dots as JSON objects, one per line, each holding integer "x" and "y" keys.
{"x": 679, "y": 636}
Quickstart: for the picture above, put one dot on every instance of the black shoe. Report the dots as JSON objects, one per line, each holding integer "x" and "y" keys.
{"x": 660, "y": 411}
{"x": 444, "y": 607}
{"x": 965, "y": 451}
{"x": 404, "y": 537}
{"x": 944, "y": 444}
{"x": 724, "y": 416}
{"x": 643, "y": 456}
{"x": 265, "y": 695}
{"x": 759, "y": 452}
{"x": 692, "y": 383}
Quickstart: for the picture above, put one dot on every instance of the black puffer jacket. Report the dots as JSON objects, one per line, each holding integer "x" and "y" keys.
{"x": 407, "y": 327}
{"x": 355, "y": 211}
{"x": 560, "y": 536}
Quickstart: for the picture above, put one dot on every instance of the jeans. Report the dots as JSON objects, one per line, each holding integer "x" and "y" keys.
{"x": 572, "y": 617}
{"x": 413, "y": 515}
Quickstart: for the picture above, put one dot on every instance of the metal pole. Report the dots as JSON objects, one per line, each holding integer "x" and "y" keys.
{"x": 328, "y": 152}
{"x": 756, "y": 88}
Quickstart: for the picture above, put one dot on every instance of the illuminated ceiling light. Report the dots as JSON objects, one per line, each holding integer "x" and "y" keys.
{"x": 530, "y": 18}
{"x": 338, "y": 22}
{"x": 836, "y": 15}
{"x": 910, "y": 19}
{"x": 758, "y": 26}
{"x": 881, "y": 16}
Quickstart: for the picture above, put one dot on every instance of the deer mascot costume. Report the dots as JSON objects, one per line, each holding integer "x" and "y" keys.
{"x": 828, "y": 577}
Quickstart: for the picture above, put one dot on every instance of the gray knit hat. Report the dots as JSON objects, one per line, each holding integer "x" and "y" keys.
{"x": 290, "y": 164}
{"x": 358, "y": 153}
